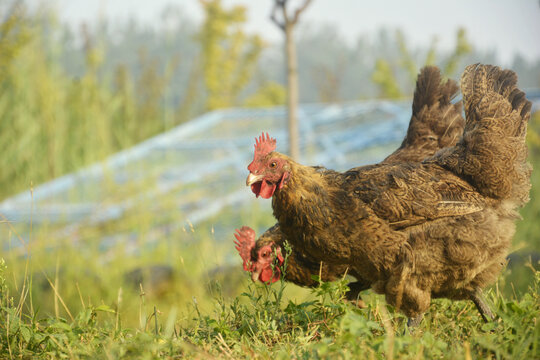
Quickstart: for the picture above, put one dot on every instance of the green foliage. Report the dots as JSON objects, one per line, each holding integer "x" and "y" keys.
{"x": 52, "y": 124}
{"x": 262, "y": 323}
{"x": 385, "y": 74}
{"x": 269, "y": 94}
{"x": 229, "y": 55}
{"x": 463, "y": 47}
{"x": 406, "y": 61}
{"x": 13, "y": 36}
{"x": 526, "y": 237}
{"x": 97, "y": 312}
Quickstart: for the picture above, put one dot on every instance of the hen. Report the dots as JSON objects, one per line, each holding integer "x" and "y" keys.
{"x": 435, "y": 123}
{"x": 415, "y": 231}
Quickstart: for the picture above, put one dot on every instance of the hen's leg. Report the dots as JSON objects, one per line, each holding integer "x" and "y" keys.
{"x": 354, "y": 291}
{"x": 407, "y": 297}
{"x": 482, "y": 306}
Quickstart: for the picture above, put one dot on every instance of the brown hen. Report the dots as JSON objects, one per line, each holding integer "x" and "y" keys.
{"x": 415, "y": 231}
{"x": 435, "y": 123}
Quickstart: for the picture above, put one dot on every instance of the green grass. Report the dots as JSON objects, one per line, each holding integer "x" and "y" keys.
{"x": 261, "y": 322}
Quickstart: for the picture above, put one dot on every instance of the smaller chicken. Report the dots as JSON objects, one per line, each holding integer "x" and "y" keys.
{"x": 264, "y": 259}
{"x": 436, "y": 123}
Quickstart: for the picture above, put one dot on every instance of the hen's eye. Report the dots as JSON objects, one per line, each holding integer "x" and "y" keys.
{"x": 265, "y": 254}
{"x": 273, "y": 164}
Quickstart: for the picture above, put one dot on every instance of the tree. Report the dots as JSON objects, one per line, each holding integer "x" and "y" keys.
{"x": 268, "y": 94}
{"x": 463, "y": 47}
{"x": 328, "y": 80}
{"x": 385, "y": 78}
{"x": 14, "y": 35}
{"x": 229, "y": 55}
{"x": 384, "y": 73}
{"x": 287, "y": 24}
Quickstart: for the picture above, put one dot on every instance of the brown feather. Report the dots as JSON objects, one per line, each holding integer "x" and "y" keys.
{"x": 435, "y": 123}
{"x": 414, "y": 231}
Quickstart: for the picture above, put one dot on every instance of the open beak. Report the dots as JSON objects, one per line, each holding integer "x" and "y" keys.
{"x": 252, "y": 179}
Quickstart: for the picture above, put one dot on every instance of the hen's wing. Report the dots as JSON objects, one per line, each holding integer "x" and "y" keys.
{"x": 436, "y": 123}
{"x": 412, "y": 193}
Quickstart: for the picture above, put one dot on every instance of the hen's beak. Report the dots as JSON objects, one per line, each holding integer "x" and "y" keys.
{"x": 255, "y": 275}
{"x": 252, "y": 179}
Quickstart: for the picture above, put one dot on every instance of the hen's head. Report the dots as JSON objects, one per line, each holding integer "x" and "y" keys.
{"x": 269, "y": 170}
{"x": 258, "y": 257}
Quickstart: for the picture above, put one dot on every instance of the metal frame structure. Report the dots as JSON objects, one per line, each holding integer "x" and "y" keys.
{"x": 199, "y": 168}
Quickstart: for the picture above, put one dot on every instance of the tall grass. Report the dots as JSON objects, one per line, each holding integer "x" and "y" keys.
{"x": 52, "y": 123}
{"x": 261, "y": 322}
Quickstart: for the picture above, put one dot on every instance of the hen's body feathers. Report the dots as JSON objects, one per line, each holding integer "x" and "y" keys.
{"x": 435, "y": 123}
{"x": 441, "y": 228}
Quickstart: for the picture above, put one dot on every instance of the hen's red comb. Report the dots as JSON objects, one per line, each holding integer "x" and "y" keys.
{"x": 264, "y": 145}
{"x": 245, "y": 241}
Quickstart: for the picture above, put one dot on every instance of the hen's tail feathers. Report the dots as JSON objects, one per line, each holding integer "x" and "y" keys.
{"x": 492, "y": 153}
{"x": 436, "y": 123}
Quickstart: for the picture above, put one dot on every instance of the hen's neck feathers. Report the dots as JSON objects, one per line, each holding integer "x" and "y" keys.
{"x": 305, "y": 199}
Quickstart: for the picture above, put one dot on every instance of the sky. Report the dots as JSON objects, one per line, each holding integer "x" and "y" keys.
{"x": 506, "y": 26}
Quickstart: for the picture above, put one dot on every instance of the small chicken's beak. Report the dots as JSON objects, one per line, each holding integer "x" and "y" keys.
{"x": 255, "y": 275}
{"x": 252, "y": 179}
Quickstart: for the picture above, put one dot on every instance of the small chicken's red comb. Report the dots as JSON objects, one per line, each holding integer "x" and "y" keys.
{"x": 245, "y": 241}
{"x": 264, "y": 145}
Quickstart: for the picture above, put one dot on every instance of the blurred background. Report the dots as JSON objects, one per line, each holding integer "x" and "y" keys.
{"x": 126, "y": 128}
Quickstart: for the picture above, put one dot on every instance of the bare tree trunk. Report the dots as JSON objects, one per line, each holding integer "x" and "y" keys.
{"x": 292, "y": 93}
{"x": 287, "y": 24}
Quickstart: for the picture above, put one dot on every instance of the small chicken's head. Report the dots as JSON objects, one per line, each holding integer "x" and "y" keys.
{"x": 258, "y": 257}
{"x": 269, "y": 170}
